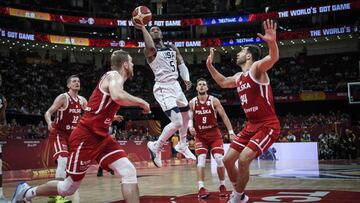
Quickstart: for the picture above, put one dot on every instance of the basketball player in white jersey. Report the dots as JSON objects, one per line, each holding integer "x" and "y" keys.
{"x": 165, "y": 60}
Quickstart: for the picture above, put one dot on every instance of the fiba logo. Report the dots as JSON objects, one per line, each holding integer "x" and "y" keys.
{"x": 91, "y": 21}
{"x": 121, "y": 43}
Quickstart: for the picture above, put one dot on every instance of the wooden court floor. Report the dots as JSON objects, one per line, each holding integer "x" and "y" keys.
{"x": 181, "y": 180}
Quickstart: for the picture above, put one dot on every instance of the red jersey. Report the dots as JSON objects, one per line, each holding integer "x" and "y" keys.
{"x": 67, "y": 118}
{"x": 256, "y": 98}
{"x": 204, "y": 117}
{"x": 100, "y": 110}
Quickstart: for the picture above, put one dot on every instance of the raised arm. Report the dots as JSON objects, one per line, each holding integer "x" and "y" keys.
{"x": 222, "y": 81}
{"x": 57, "y": 104}
{"x": 149, "y": 50}
{"x": 268, "y": 61}
{"x": 184, "y": 71}
{"x": 219, "y": 108}
{"x": 120, "y": 96}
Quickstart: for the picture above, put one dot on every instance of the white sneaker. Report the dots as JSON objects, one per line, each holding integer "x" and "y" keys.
{"x": 19, "y": 194}
{"x": 184, "y": 149}
{"x": 238, "y": 199}
{"x": 155, "y": 153}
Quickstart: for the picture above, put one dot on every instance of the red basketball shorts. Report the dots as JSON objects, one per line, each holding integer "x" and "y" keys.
{"x": 210, "y": 141}
{"x": 257, "y": 136}
{"x": 86, "y": 146}
{"x": 59, "y": 141}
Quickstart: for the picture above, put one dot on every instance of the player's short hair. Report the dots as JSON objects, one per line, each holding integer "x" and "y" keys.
{"x": 71, "y": 77}
{"x": 119, "y": 57}
{"x": 255, "y": 51}
{"x": 201, "y": 79}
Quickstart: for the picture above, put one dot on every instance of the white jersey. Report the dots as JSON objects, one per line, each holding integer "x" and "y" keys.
{"x": 164, "y": 65}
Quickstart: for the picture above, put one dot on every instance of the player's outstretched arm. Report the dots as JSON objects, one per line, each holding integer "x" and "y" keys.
{"x": 121, "y": 97}
{"x": 220, "y": 109}
{"x": 268, "y": 61}
{"x": 149, "y": 50}
{"x": 58, "y": 103}
{"x": 184, "y": 71}
{"x": 222, "y": 81}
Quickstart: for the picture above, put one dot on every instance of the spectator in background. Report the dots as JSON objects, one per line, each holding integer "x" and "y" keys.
{"x": 283, "y": 138}
{"x": 174, "y": 141}
{"x": 291, "y": 137}
{"x": 305, "y": 137}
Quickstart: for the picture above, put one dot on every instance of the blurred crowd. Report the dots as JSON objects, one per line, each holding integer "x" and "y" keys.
{"x": 30, "y": 87}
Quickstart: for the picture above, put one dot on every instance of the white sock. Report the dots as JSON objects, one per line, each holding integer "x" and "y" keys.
{"x": 184, "y": 127}
{"x": 222, "y": 182}
{"x": 1, "y": 192}
{"x": 201, "y": 184}
{"x": 31, "y": 193}
{"x": 238, "y": 194}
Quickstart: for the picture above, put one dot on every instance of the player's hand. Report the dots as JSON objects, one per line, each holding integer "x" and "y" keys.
{"x": 118, "y": 118}
{"x": 50, "y": 126}
{"x": 192, "y": 131}
{"x": 188, "y": 84}
{"x": 146, "y": 107}
{"x": 210, "y": 58}
{"x": 270, "y": 31}
{"x": 232, "y": 136}
{"x": 137, "y": 25}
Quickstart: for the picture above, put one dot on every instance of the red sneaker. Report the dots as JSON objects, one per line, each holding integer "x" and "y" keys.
{"x": 222, "y": 191}
{"x": 203, "y": 194}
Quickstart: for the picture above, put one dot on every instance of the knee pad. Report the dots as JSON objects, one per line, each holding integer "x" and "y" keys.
{"x": 61, "y": 167}
{"x": 201, "y": 160}
{"x": 219, "y": 159}
{"x": 67, "y": 187}
{"x": 125, "y": 169}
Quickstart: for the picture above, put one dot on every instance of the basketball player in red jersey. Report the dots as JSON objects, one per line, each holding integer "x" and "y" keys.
{"x": 262, "y": 126}
{"x": 90, "y": 140}
{"x": 203, "y": 125}
{"x": 68, "y": 108}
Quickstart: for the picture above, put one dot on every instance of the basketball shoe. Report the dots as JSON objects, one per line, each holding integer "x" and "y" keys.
{"x": 19, "y": 194}
{"x": 203, "y": 194}
{"x": 238, "y": 199}
{"x": 222, "y": 191}
{"x": 155, "y": 153}
{"x": 184, "y": 149}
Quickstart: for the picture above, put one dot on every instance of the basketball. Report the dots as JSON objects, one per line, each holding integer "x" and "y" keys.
{"x": 142, "y": 15}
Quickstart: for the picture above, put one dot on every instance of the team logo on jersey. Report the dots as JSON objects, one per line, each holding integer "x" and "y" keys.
{"x": 244, "y": 86}
{"x": 85, "y": 162}
{"x": 74, "y": 110}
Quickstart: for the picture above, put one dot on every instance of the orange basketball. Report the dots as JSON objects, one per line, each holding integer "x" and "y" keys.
{"x": 142, "y": 15}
